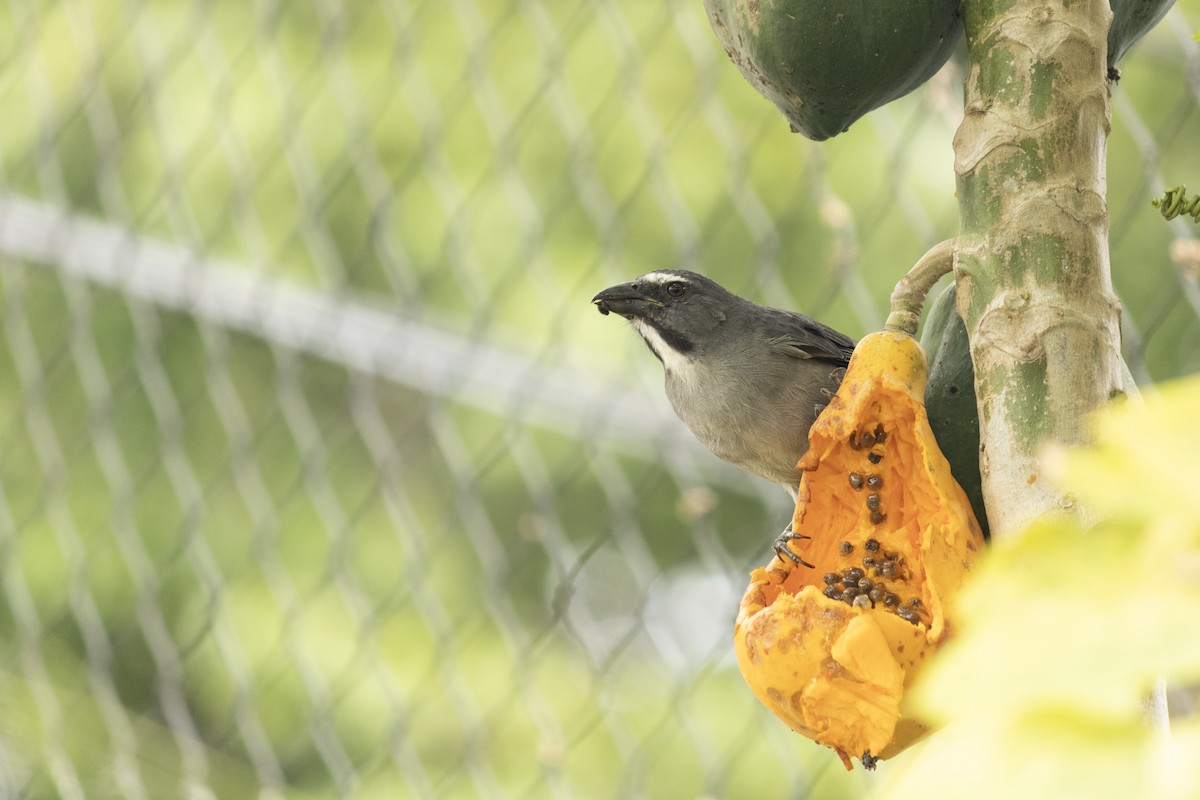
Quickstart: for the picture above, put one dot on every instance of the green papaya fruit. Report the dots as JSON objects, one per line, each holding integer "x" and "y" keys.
{"x": 950, "y": 397}
{"x": 1131, "y": 20}
{"x": 825, "y": 63}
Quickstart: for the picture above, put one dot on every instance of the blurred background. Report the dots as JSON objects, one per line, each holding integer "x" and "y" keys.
{"x": 319, "y": 474}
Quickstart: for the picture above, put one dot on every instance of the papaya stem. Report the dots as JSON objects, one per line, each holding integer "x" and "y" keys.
{"x": 908, "y": 298}
{"x": 1032, "y": 267}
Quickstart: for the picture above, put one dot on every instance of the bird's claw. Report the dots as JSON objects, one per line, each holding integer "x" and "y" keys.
{"x": 782, "y": 541}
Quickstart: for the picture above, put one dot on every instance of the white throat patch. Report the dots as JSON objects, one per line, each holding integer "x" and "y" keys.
{"x": 678, "y": 364}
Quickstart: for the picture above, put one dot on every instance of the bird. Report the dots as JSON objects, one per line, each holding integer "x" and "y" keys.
{"x": 747, "y": 380}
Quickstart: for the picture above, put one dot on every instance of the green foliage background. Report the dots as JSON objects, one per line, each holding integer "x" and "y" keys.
{"x": 482, "y": 165}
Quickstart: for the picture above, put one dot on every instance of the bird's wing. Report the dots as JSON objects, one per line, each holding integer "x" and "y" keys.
{"x": 803, "y": 337}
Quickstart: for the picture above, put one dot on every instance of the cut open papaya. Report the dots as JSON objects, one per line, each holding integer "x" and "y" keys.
{"x": 829, "y": 648}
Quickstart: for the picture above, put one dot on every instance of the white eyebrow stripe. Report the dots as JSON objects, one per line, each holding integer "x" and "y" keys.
{"x": 662, "y": 277}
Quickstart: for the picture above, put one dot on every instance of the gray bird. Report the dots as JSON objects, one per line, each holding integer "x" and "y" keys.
{"x": 747, "y": 380}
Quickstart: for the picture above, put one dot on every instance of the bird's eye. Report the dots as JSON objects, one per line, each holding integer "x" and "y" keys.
{"x": 676, "y": 289}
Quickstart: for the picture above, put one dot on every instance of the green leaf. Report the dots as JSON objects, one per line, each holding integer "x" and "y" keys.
{"x": 1143, "y": 465}
{"x": 1064, "y": 629}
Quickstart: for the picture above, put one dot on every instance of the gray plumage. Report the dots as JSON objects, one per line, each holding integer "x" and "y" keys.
{"x": 747, "y": 380}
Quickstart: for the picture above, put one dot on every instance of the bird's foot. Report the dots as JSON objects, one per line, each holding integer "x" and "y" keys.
{"x": 782, "y": 541}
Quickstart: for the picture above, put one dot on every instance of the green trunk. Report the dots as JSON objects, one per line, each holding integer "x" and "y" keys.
{"x": 1031, "y": 264}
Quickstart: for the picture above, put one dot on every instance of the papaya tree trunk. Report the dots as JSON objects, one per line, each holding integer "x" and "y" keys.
{"x": 1031, "y": 261}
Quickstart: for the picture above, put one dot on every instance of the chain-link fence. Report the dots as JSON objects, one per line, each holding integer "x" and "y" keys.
{"x": 319, "y": 476}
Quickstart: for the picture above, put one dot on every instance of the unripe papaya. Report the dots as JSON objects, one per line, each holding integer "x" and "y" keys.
{"x": 1131, "y": 21}
{"x": 950, "y": 397}
{"x": 825, "y": 63}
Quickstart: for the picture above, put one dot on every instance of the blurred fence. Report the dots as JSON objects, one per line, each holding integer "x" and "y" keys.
{"x": 320, "y": 477}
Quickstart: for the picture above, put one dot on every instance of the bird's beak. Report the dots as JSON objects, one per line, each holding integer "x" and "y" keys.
{"x": 626, "y": 299}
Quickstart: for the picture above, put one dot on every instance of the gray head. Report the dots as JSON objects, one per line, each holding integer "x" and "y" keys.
{"x": 676, "y": 311}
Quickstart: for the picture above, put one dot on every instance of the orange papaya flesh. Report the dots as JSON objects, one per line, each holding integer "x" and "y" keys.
{"x": 830, "y": 648}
